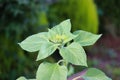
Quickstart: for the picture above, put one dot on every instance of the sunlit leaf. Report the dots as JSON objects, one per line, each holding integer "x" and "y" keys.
{"x": 46, "y": 50}
{"x": 49, "y": 71}
{"x": 69, "y": 37}
{"x": 34, "y": 42}
{"x": 63, "y": 37}
{"x": 74, "y": 54}
{"x": 63, "y": 27}
{"x": 86, "y": 38}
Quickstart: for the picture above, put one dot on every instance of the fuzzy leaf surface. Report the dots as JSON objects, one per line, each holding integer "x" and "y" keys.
{"x": 49, "y": 71}
{"x": 86, "y": 38}
{"x": 74, "y": 54}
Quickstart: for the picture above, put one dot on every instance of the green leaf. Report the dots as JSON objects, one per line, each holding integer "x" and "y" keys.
{"x": 69, "y": 37}
{"x": 71, "y": 70}
{"x": 95, "y": 74}
{"x": 74, "y": 54}
{"x": 51, "y": 35}
{"x": 49, "y": 71}
{"x": 34, "y": 42}
{"x": 63, "y": 27}
{"x": 23, "y": 78}
{"x": 86, "y": 38}
{"x": 46, "y": 50}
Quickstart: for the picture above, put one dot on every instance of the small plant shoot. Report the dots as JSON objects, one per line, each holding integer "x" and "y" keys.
{"x": 70, "y": 46}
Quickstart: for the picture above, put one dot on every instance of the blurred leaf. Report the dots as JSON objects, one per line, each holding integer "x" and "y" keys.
{"x": 42, "y": 19}
{"x": 86, "y": 17}
{"x": 83, "y": 14}
{"x": 95, "y": 74}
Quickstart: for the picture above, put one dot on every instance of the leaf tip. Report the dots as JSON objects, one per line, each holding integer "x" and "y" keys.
{"x": 18, "y": 43}
{"x": 100, "y": 35}
{"x": 85, "y": 64}
{"x": 68, "y": 20}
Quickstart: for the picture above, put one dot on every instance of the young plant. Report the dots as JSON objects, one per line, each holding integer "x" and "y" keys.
{"x": 70, "y": 46}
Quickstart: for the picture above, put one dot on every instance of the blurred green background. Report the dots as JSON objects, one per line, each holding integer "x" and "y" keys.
{"x": 21, "y": 18}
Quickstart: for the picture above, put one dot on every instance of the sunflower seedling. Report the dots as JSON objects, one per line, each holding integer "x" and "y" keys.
{"x": 70, "y": 46}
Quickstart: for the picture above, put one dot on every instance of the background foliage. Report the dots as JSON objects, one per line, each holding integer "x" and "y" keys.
{"x": 82, "y": 13}
{"x": 18, "y": 19}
